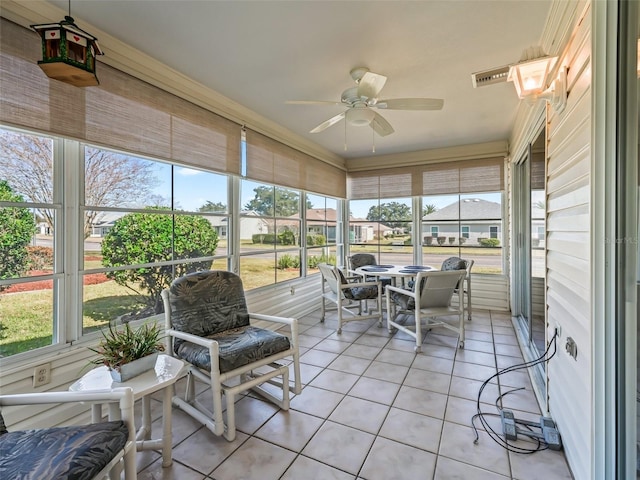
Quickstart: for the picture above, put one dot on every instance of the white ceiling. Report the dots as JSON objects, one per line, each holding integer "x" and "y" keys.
{"x": 261, "y": 53}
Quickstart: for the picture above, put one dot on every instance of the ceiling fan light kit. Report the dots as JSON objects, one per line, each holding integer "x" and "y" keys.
{"x": 360, "y": 116}
{"x": 363, "y": 98}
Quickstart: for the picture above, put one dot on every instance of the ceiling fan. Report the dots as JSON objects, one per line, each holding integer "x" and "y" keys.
{"x": 362, "y": 99}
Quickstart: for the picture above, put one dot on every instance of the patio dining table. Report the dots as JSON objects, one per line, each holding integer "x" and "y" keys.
{"x": 393, "y": 271}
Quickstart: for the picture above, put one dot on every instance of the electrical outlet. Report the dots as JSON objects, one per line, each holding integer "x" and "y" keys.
{"x": 293, "y": 290}
{"x": 41, "y": 375}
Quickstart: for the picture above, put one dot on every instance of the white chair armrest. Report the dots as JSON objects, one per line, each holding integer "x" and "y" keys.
{"x": 123, "y": 395}
{"x": 359, "y": 284}
{"x": 205, "y": 342}
{"x": 273, "y": 318}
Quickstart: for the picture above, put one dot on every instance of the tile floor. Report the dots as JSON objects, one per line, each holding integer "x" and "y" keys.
{"x": 373, "y": 409}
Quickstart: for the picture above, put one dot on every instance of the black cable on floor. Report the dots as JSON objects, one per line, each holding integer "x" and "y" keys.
{"x": 496, "y": 437}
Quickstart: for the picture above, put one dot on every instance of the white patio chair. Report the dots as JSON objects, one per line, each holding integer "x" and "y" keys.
{"x": 430, "y": 298}
{"x": 349, "y": 294}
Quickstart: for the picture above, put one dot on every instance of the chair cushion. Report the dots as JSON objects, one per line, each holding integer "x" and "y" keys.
{"x": 78, "y": 452}
{"x": 405, "y": 302}
{"x": 361, "y": 260}
{"x": 238, "y": 347}
{"x": 207, "y": 303}
{"x": 361, "y": 293}
{"x": 453, "y": 263}
{"x": 357, "y": 293}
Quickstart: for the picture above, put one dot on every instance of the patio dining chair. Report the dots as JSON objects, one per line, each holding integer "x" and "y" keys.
{"x": 208, "y": 326}
{"x": 349, "y": 294}
{"x": 429, "y": 299}
{"x": 358, "y": 260}
{"x": 457, "y": 263}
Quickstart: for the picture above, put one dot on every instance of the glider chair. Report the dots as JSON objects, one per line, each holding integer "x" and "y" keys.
{"x": 456, "y": 263}
{"x": 208, "y": 326}
{"x": 92, "y": 451}
{"x": 349, "y": 294}
{"x": 430, "y": 298}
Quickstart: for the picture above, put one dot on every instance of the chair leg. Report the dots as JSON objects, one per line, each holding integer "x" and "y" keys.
{"x": 461, "y": 329}
{"x": 216, "y": 390}
{"x": 230, "y": 433}
{"x": 469, "y": 305}
{"x": 322, "y": 309}
{"x": 189, "y": 394}
{"x": 418, "y": 347}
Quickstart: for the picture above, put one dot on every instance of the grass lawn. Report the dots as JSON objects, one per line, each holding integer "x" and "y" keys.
{"x": 24, "y": 329}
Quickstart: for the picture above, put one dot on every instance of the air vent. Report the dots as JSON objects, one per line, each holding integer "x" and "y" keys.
{"x": 489, "y": 77}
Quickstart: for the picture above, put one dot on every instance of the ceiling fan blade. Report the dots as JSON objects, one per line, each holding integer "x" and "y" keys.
{"x": 328, "y": 123}
{"x": 411, "y": 104}
{"x": 371, "y": 84}
{"x": 381, "y": 126}
{"x": 311, "y": 102}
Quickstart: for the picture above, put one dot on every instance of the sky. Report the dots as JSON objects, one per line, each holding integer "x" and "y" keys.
{"x": 193, "y": 188}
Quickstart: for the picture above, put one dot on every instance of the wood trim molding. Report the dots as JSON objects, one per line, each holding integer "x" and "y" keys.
{"x": 438, "y": 155}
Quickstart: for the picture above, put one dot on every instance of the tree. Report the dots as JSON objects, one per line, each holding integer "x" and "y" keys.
{"x": 209, "y": 206}
{"x": 111, "y": 179}
{"x": 275, "y": 201}
{"x": 392, "y": 214}
{"x": 18, "y": 227}
{"x": 140, "y": 238}
{"x": 428, "y": 208}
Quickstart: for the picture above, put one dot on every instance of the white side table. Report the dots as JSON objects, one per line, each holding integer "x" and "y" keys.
{"x": 167, "y": 370}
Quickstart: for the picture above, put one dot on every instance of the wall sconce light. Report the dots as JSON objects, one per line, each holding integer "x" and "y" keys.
{"x": 530, "y": 78}
{"x": 68, "y": 53}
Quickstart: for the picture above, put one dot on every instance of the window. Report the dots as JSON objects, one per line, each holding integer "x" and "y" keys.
{"x": 321, "y": 230}
{"x": 146, "y": 222}
{"x": 31, "y": 260}
{"x": 479, "y": 212}
{"x": 382, "y": 227}
{"x": 270, "y": 226}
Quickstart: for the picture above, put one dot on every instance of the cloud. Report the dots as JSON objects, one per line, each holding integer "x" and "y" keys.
{"x": 188, "y": 172}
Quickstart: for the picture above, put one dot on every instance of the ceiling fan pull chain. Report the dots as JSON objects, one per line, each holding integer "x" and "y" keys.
{"x": 345, "y": 136}
{"x": 373, "y": 141}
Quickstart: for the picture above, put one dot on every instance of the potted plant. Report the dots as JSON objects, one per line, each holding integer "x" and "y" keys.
{"x": 129, "y": 352}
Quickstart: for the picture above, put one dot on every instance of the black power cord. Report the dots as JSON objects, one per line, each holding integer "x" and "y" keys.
{"x": 481, "y": 415}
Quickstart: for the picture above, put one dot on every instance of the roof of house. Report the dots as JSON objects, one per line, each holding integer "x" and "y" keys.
{"x": 467, "y": 209}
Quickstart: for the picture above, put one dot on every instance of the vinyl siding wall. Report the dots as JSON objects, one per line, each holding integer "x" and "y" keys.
{"x": 569, "y": 255}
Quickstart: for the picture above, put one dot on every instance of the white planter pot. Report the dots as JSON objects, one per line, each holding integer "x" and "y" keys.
{"x": 132, "y": 369}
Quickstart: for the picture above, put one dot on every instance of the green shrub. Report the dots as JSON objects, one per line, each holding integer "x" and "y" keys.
{"x": 288, "y": 261}
{"x": 268, "y": 238}
{"x": 441, "y": 240}
{"x": 17, "y": 227}
{"x": 286, "y": 238}
{"x": 313, "y": 261}
{"x": 146, "y": 238}
{"x": 489, "y": 242}
{"x": 40, "y": 258}
{"x": 316, "y": 240}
